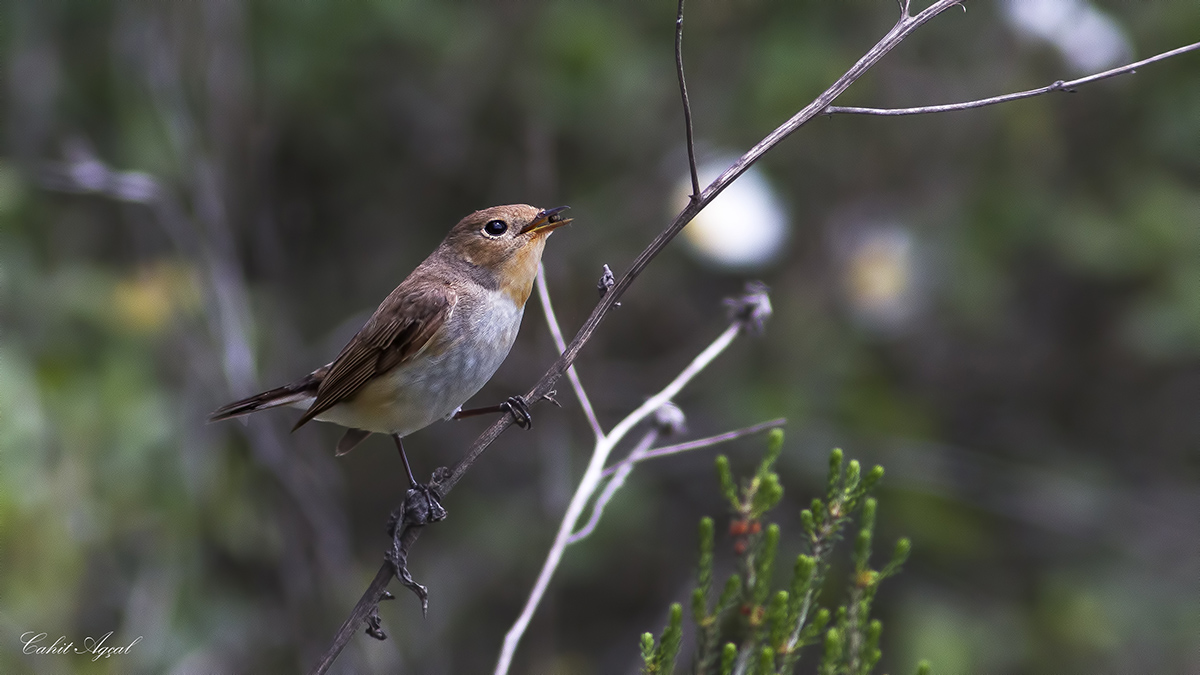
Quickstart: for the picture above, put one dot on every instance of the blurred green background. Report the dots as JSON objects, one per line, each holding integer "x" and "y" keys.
{"x": 1001, "y": 306}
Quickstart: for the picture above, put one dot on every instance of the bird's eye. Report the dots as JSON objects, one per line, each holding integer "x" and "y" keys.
{"x": 495, "y": 228}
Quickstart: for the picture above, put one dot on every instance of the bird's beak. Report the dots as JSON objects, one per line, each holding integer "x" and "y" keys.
{"x": 547, "y": 220}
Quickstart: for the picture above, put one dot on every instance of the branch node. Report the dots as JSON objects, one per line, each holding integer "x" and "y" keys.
{"x": 606, "y": 283}
{"x": 751, "y": 309}
{"x": 669, "y": 419}
{"x": 375, "y": 624}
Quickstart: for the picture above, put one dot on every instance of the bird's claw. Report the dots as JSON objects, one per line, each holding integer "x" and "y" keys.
{"x": 420, "y": 507}
{"x": 520, "y": 411}
{"x": 399, "y": 561}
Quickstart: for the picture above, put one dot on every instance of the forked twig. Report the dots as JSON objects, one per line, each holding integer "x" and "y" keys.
{"x": 561, "y": 344}
{"x": 611, "y": 487}
{"x": 757, "y": 305}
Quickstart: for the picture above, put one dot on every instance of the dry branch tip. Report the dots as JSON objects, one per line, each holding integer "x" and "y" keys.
{"x": 751, "y": 309}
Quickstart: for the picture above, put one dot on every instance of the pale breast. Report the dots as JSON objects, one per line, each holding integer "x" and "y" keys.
{"x": 458, "y": 360}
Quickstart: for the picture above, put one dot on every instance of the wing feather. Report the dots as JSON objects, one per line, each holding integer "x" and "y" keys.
{"x": 398, "y": 331}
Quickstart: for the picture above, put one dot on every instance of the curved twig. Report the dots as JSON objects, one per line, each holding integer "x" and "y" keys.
{"x": 556, "y": 333}
{"x": 1060, "y": 85}
{"x": 687, "y": 105}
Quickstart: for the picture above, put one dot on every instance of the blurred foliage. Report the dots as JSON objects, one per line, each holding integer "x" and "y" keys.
{"x": 752, "y": 630}
{"x": 1034, "y": 397}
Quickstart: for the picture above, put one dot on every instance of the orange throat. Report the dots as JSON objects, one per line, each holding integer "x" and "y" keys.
{"x": 516, "y": 274}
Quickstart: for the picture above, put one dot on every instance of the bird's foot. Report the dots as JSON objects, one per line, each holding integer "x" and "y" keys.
{"x": 516, "y": 406}
{"x": 519, "y": 408}
{"x": 421, "y": 507}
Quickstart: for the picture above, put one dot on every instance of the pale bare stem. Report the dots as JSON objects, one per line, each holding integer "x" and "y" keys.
{"x": 556, "y": 333}
{"x": 668, "y": 420}
{"x": 695, "y": 445}
{"x": 615, "y": 483}
{"x": 591, "y": 480}
{"x": 687, "y": 106}
{"x": 1061, "y": 85}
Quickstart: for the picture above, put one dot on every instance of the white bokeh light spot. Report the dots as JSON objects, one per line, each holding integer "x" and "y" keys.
{"x": 1087, "y": 37}
{"x": 745, "y": 227}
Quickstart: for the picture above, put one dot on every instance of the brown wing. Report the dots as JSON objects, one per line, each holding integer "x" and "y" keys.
{"x": 397, "y": 331}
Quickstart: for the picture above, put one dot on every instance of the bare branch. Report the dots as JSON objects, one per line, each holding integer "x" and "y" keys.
{"x": 591, "y": 480}
{"x": 696, "y": 444}
{"x": 668, "y": 420}
{"x": 901, "y": 30}
{"x": 687, "y": 106}
{"x": 1067, "y": 86}
{"x": 556, "y": 333}
{"x": 610, "y": 488}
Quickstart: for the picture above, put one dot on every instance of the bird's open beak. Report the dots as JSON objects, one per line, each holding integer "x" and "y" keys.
{"x": 547, "y": 220}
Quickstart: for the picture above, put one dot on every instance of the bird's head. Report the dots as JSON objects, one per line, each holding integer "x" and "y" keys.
{"x": 506, "y": 242}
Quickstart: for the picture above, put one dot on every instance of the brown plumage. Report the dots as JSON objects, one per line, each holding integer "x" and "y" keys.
{"x": 435, "y": 340}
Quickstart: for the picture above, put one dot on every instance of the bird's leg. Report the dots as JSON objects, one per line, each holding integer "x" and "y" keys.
{"x": 419, "y": 498}
{"x": 420, "y": 507}
{"x": 516, "y": 406}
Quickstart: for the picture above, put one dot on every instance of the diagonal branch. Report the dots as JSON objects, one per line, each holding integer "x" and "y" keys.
{"x": 1067, "y": 86}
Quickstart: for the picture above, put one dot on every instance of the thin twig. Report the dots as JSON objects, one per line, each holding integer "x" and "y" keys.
{"x": 357, "y": 616}
{"x": 591, "y": 479}
{"x": 556, "y": 333}
{"x": 1067, "y": 86}
{"x": 687, "y": 106}
{"x": 695, "y": 445}
{"x": 614, "y": 484}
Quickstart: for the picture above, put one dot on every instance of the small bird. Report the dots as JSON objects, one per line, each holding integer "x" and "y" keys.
{"x": 434, "y": 341}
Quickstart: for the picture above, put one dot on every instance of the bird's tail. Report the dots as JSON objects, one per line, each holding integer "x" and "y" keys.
{"x": 301, "y": 390}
